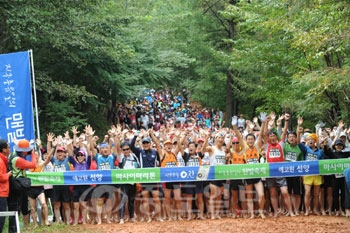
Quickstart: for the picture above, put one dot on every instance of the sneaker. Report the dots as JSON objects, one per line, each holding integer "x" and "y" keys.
{"x": 121, "y": 221}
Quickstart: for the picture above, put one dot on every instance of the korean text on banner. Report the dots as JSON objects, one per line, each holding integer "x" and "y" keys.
{"x": 16, "y": 116}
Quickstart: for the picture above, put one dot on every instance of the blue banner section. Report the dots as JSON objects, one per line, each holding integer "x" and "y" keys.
{"x": 16, "y": 116}
{"x": 301, "y": 168}
{"x": 88, "y": 177}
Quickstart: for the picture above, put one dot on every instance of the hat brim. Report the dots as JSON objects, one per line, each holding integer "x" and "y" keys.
{"x": 146, "y": 140}
{"x": 19, "y": 149}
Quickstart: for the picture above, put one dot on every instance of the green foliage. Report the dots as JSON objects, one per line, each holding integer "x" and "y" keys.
{"x": 61, "y": 116}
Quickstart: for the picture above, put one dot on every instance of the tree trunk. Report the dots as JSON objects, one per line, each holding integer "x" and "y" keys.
{"x": 229, "y": 100}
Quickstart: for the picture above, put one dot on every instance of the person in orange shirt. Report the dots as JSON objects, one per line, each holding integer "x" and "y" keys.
{"x": 237, "y": 157}
{"x": 4, "y": 178}
{"x": 168, "y": 159}
{"x": 18, "y": 164}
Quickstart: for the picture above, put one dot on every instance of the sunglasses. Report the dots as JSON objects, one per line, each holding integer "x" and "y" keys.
{"x": 126, "y": 149}
{"x": 145, "y": 142}
{"x": 235, "y": 142}
{"x": 80, "y": 155}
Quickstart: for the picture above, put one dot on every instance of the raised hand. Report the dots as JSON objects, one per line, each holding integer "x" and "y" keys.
{"x": 38, "y": 142}
{"x": 66, "y": 135}
{"x": 262, "y": 116}
{"x": 300, "y": 120}
{"x": 75, "y": 130}
{"x": 286, "y": 117}
{"x": 234, "y": 120}
{"x": 55, "y": 142}
{"x": 50, "y": 137}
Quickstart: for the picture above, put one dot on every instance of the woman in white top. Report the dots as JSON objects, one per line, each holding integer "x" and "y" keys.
{"x": 217, "y": 157}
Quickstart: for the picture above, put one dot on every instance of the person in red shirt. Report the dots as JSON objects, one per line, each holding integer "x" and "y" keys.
{"x": 4, "y": 178}
{"x": 274, "y": 154}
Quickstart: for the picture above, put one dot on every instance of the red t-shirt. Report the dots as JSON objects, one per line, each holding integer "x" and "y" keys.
{"x": 274, "y": 153}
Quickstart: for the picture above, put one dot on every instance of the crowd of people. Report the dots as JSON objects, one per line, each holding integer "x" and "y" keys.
{"x": 162, "y": 129}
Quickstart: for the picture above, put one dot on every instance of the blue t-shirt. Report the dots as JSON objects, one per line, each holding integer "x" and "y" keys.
{"x": 105, "y": 162}
{"x": 60, "y": 165}
{"x": 311, "y": 154}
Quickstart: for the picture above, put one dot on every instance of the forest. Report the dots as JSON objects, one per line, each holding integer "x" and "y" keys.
{"x": 240, "y": 56}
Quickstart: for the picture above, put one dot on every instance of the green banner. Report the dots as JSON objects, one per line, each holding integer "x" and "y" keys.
{"x": 333, "y": 166}
{"x": 40, "y": 178}
{"x": 146, "y": 175}
{"x": 243, "y": 171}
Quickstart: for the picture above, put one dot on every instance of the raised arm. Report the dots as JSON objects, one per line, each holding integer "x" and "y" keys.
{"x": 117, "y": 150}
{"x": 179, "y": 146}
{"x": 69, "y": 143}
{"x": 240, "y": 139}
{"x": 299, "y": 129}
{"x": 156, "y": 141}
{"x": 285, "y": 128}
{"x": 205, "y": 147}
{"x": 75, "y": 133}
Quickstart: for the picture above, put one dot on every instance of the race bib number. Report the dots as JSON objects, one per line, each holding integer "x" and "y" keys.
{"x": 275, "y": 153}
{"x": 339, "y": 175}
{"x": 253, "y": 160}
{"x": 105, "y": 166}
{"x": 291, "y": 156}
{"x": 311, "y": 157}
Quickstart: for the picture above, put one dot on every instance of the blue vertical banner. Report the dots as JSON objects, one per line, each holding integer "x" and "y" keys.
{"x": 16, "y": 115}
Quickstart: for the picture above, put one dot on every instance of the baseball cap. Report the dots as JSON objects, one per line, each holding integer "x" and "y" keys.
{"x": 146, "y": 139}
{"x": 61, "y": 148}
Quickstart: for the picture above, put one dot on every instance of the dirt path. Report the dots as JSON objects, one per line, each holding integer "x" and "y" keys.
{"x": 300, "y": 224}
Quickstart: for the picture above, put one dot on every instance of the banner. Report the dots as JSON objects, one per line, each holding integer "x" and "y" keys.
{"x": 16, "y": 116}
{"x": 186, "y": 174}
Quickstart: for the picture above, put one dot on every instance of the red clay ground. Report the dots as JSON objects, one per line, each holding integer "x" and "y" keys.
{"x": 299, "y": 224}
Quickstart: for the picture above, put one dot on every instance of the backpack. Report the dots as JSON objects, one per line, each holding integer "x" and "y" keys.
{"x": 134, "y": 159}
{"x": 18, "y": 183}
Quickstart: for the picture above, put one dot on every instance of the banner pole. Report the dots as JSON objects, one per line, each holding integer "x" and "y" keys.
{"x": 34, "y": 91}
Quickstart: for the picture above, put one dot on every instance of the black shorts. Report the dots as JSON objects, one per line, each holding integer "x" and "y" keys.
{"x": 35, "y": 191}
{"x": 172, "y": 185}
{"x": 60, "y": 193}
{"x": 294, "y": 185}
{"x": 192, "y": 187}
{"x": 80, "y": 193}
{"x": 48, "y": 193}
{"x": 251, "y": 181}
{"x": 328, "y": 181}
{"x": 219, "y": 183}
{"x": 236, "y": 184}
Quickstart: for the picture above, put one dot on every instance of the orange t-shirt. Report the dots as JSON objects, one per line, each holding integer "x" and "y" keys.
{"x": 169, "y": 160}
